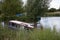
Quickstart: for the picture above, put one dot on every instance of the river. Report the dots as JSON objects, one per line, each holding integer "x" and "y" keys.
{"x": 50, "y": 22}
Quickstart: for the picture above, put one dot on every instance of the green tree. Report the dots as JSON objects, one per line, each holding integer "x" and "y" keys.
{"x": 0, "y": 6}
{"x": 11, "y": 7}
{"x": 58, "y": 9}
{"x": 36, "y": 9}
{"x": 52, "y": 10}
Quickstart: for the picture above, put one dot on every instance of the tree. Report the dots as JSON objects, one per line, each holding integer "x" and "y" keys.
{"x": 52, "y": 10}
{"x": 11, "y": 7}
{"x": 58, "y": 9}
{"x": 35, "y": 9}
{"x": 0, "y": 6}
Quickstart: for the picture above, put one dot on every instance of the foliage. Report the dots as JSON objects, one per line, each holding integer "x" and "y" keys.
{"x": 52, "y": 10}
{"x": 36, "y": 34}
{"x": 0, "y": 7}
{"x": 36, "y": 8}
{"x": 58, "y": 9}
{"x": 7, "y": 34}
{"x": 11, "y": 7}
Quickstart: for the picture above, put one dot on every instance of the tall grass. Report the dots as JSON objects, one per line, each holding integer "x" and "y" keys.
{"x": 36, "y": 34}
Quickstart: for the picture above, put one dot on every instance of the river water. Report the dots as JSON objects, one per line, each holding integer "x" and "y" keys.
{"x": 50, "y": 22}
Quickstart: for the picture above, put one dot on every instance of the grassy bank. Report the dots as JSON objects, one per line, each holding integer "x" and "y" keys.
{"x": 36, "y": 34}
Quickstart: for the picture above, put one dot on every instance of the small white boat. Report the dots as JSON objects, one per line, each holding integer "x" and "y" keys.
{"x": 19, "y": 25}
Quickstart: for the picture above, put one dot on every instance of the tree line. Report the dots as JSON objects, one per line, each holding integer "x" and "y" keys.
{"x": 53, "y": 10}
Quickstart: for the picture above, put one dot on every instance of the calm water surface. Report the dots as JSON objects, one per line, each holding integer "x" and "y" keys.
{"x": 50, "y": 22}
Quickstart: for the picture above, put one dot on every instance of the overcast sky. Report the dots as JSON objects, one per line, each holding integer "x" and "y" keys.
{"x": 53, "y": 4}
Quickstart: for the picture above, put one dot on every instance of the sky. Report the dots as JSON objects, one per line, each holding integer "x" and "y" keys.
{"x": 53, "y": 4}
{"x": 24, "y": 1}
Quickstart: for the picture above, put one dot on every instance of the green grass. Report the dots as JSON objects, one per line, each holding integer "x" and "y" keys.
{"x": 36, "y": 34}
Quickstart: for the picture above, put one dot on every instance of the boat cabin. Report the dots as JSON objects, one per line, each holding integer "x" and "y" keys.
{"x": 19, "y": 25}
